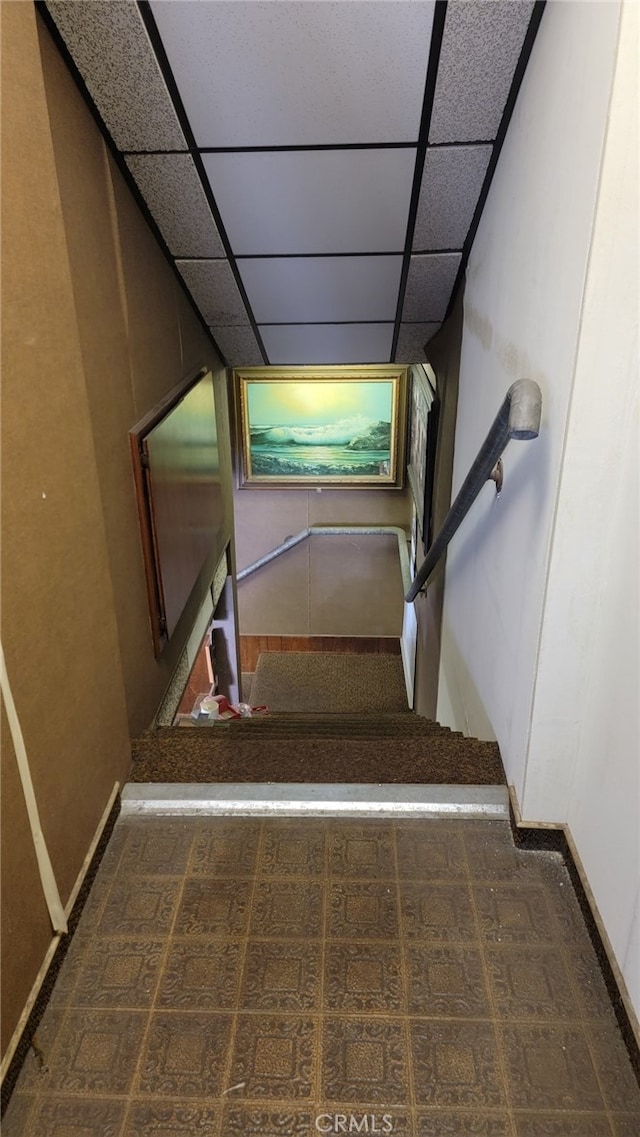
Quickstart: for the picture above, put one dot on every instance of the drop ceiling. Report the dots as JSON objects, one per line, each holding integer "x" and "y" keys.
{"x": 315, "y": 171}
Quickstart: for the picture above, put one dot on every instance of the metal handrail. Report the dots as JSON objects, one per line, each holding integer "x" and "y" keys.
{"x": 326, "y": 530}
{"x": 519, "y": 418}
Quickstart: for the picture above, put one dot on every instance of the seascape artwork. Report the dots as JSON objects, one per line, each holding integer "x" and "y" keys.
{"x": 310, "y": 430}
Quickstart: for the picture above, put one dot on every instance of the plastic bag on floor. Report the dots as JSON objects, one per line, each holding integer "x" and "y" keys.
{"x": 217, "y": 708}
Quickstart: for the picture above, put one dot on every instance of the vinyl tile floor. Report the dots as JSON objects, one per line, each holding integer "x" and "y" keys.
{"x": 232, "y": 977}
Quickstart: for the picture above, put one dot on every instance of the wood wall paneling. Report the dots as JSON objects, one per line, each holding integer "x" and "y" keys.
{"x": 199, "y": 683}
{"x": 253, "y": 646}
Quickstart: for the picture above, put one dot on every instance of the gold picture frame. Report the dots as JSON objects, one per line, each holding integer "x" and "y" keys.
{"x": 322, "y": 426}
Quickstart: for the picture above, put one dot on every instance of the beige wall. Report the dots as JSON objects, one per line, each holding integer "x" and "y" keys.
{"x": 328, "y": 585}
{"x": 95, "y": 330}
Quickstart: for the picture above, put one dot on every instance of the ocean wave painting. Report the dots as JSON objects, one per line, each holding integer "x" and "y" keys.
{"x": 341, "y": 433}
{"x": 345, "y": 448}
{"x": 319, "y": 430}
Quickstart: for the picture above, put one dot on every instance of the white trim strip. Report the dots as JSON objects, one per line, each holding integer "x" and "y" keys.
{"x": 51, "y": 950}
{"x": 47, "y": 878}
{"x": 91, "y": 850}
{"x": 28, "y": 1007}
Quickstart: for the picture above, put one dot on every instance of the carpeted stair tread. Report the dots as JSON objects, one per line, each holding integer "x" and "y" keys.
{"x": 334, "y": 718}
{"x": 334, "y": 726}
{"x": 332, "y": 682}
{"x": 216, "y": 754}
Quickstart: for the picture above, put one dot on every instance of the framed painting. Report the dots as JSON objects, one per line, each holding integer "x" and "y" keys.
{"x": 423, "y": 409}
{"x": 334, "y": 426}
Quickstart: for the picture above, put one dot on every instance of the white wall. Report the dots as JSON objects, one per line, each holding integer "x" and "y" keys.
{"x": 542, "y": 587}
{"x": 604, "y": 804}
{"x": 588, "y": 689}
{"x": 595, "y": 528}
{"x": 523, "y": 299}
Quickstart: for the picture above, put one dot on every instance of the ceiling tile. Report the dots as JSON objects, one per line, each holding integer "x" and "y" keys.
{"x": 214, "y": 289}
{"x": 411, "y": 342}
{"x": 326, "y": 201}
{"x": 265, "y": 74}
{"x": 112, "y": 51}
{"x": 170, "y": 185}
{"x": 301, "y": 344}
{"x": 239, "y": 346}
{"x": 429, "y": 284}
{"x": 293, "y": 290}
{"x": 451, "y": 184}
{"x": 480, "y": 50}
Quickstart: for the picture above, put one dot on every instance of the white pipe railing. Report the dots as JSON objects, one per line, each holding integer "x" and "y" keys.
{"x": 329, "y": 530}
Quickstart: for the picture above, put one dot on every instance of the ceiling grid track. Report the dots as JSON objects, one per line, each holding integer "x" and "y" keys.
{"x": 518, "y": 76}
{"x": 437, "y": 34}
{"x": 118, "y": 157}
{"x": 315, "y": 172}
{"x": 158, "y": 46}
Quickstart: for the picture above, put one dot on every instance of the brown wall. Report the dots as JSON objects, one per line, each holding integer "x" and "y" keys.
{"x": 96, "y": 330}
{"x": 138, "y": 337}
{"x": 26, "y": 929}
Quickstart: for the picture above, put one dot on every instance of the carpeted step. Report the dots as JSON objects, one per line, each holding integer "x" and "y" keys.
{"x": 331, "y": 682}
{"x": 217, "y": 754}
{"x": 328, "y": 726}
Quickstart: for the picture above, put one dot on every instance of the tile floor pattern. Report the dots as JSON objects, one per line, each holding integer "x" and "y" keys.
{"x": 237, "y": 977}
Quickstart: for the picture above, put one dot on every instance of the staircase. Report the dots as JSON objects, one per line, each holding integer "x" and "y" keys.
{"x": 401, "y": 748}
